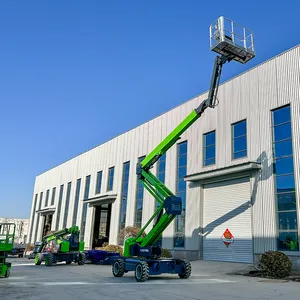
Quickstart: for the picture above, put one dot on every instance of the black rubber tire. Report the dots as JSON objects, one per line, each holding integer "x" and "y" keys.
{"x": 49, "y": 260}
{"x": 40, "y": 259}
{"x": 68, "y": 262}
{"x": 118, "y": 268}
{"x": 141, "y": 271}
{"x": 187, "y": 269}
{"x": 7, "y": 273}
{"x": 81, "y": 260}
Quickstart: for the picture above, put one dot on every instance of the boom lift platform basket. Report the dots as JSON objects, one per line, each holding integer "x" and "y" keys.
{"x": 230, "y": 38}
{"x": 141, "y": 254}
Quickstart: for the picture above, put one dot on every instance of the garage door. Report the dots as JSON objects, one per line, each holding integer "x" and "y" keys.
{"x": 227, "y": 234}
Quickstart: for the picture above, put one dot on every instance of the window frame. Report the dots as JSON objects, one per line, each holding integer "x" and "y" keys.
{"x": 53, "y": 196}
{"x": 176, "y": 193}
{"x": 84, "y": 210}
{"x": 233, "y": 139}
{"x": 163, "y": 158}
{"x": 87, "y": 187}
{"x": 99, "y": 180}
{"x": 76, "y": 201}
{"x": 142, "y": 189}
{"x": 47, "y": 198}
{"x": 277, "y": 211}
{"x": 33, "y": 217}
{"x": 67, "y": 204}
{"x": 204, "y": 148}
{"x": 108, "y": 189}
{"x": 38, "y": 216}
{"x": 59, "y": 204}
{"x": 122, "y": 194}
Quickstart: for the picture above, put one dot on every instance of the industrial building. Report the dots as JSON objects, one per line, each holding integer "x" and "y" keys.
{"x": 237, "y": 170}
{"x": 21, "y": 228}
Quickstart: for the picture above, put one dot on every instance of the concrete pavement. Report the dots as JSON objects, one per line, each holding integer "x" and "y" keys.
{"x": 209, "y": 280}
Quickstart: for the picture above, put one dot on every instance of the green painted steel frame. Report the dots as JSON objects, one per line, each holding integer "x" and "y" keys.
{"x": 156, "y": 188}
{"x": 8, "y": 236}
{"x": 169, "y": 141}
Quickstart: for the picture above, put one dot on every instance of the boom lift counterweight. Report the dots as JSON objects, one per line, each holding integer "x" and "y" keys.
{"x": 140, "y": 253}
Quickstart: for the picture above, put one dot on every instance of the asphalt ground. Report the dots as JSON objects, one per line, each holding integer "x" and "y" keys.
{"x": 209, "y": 280}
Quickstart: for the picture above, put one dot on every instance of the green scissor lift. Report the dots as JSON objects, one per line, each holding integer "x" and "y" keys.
{"x": 7, "y": 237}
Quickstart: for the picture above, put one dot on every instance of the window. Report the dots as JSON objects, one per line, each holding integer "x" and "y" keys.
{"x": 99, "y": 182}
{"x": 87, "y": 187}
{"x": 104, "y": 221}
{"x": 59, "y": 206}
{"x": 284, "y": 180}
{"x": 179, "y": 238}
{"x": 84, "y": 208}
{"x": 77, "y": 193}
{"x": 239, "y": 139}
{"x": 47, "y": 198}
{"x": 161, "y": 170}
{"x": 38, "y": 217}
{"x": 139, "y": 201}
{"x": 53, "y": 196}
{"x": 110, "y": 181}
{"x": 209, "y": 149}
{"x": 67, "y": 205}
{"x": 124, "y": 193}
{"x": 33, "y": 217}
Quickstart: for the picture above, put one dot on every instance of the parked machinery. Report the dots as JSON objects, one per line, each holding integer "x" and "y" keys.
{"x": 35, "y": 250}
{"x": 59, "y": 246}
{"x": 7, "y": 237}
{"x": 18, "y": 249}
{"x": 141, "y": 255}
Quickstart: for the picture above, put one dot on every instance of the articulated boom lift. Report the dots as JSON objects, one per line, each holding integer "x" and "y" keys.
{"x": 65, "y": 247}
{"x": 140, "y": 253}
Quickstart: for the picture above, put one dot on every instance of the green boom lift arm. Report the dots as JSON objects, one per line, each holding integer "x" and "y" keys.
{"x": 170, "y": 205}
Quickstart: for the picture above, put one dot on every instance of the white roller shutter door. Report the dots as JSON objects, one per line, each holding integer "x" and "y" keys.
{"x": 227, "y": 206}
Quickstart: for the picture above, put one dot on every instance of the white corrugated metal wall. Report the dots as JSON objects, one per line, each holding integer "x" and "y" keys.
{"x": 249, "y": 96}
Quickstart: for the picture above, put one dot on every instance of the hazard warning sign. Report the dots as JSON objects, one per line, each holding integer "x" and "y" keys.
{"x": 227, "y": 238}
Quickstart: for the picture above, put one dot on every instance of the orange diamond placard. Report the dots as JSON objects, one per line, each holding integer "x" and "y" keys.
{"x": 227, "y": 238}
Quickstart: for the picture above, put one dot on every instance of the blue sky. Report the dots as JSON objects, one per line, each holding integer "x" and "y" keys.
{"x": 75, "y": 74}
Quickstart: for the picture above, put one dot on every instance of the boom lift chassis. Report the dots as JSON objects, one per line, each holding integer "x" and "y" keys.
{"x": 140, "y": 253}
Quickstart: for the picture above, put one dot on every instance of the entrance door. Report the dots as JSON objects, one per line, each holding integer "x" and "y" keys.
{"x": 101, "y": 225}
{"x": 226, "y": 206}
{"x": 47, "y": 224}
